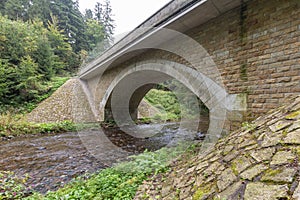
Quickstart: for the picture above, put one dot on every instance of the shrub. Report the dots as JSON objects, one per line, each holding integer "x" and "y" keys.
{"x": 13, "y": 187}
{"x": 14, "y": 125}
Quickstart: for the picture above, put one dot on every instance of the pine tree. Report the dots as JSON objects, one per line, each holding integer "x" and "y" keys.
{"x": 16, "y": 9}
{"x": 39, "y": 9}
{"x": 108, "y": 22}
{"x": 88, "y": 14}
{"x": 98, "y": 11}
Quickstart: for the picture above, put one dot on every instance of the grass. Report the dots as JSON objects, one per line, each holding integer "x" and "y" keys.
{"x": 16, "y": 125}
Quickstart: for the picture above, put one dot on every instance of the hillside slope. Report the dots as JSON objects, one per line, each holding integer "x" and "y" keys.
{"x": 258, "y": 162}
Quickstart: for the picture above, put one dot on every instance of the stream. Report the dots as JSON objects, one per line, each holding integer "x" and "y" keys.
{"x": 52, "y": 160}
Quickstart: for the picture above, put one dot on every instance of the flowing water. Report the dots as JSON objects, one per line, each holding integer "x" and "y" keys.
{"x": 54, "y": 159}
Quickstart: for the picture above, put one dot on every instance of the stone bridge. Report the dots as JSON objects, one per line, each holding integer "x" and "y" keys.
{"x": 241, "y": 58}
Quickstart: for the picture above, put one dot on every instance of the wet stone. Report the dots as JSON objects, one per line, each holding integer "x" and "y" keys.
{"x": 283, "y": 157}
{"x": 202, "y": 166}
{"x": 165, "y": 191}
{"x": 170, "y": 197}
{"x": 185, "y": 192}
{"x": 231, "y": 156}
{"x": 253, "y": 172}
{"x": 279, "y": 175}
{"x": 213, "y": 159}
{"x": 200, "y": 180}
{"x": 188, "y": 182}
{"x": 247, "y": 143}
{"x": 212, "y": 168}
{"x": 263, "y": 154}
{"x": 260, "y": 191}
{"x": 225, "y": 179}
{"x": 190, "y": 170}
{"x": 251, "y": 147}
{"x": 220, "y": 170}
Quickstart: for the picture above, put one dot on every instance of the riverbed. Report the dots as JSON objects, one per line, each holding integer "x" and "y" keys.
{"x": 52, "y": 160}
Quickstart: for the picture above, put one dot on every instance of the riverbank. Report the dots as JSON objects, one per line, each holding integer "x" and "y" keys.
{"x": 259, "y": 161}
{"x": 49, "y": 161}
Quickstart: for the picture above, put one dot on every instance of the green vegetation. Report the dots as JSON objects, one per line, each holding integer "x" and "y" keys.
{"x": 119, "y": 182}
{"x": 15, "y": 125}
{"x": 166, "y": 101}
{"x": 48, "y": 88}
{"x": 41, "y": 40}
{"x": 248, "y": 126}
{"x": 13, "y": 187}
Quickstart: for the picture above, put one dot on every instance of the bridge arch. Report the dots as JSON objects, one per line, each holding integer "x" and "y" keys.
{"x": 131, "y": 84}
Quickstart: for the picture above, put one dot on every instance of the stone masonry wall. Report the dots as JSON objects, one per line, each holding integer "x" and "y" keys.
{"x": 256, "y": 49}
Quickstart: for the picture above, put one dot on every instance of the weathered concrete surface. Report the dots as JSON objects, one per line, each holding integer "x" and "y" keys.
{"x": 260, "y": 161}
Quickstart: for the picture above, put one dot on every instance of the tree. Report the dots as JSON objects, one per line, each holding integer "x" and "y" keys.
{"x": 98, "y": 11}
{"x": 108, "y": 22}
{"x": 103, "y": 14}
{"x": 2, "y": 6}
{"x": 26, "y": 59}
{"x": 65, "y": 57}
{"x": 94, "y": 33}
{"x": 71, "y": 21}
{"x": 88, "y": 14}
{"x": 39, "y": 9}
{"x": 16, "y": 9}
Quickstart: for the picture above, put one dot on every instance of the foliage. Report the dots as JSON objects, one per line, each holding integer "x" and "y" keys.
{"x": 167, "y": 102}
{"x": 26, "y": 61}
{"x": 40, "y": 39}
{"x": 69, "y": 18}
{"x": 119, "y": 182}
{"x": 13, "y": 187}
{"x": 48, "y": 89}
{"x": 15, "y": 125}
{"x": 103, "y": 13}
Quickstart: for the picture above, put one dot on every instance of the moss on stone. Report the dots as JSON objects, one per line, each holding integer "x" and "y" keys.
{"x": 201, "y": 192}
{"x": 293, "y": 115}
{"x": 272, "y": 172}
{"x": 234, "y": 168}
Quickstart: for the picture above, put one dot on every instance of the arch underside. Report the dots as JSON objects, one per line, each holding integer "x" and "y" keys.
{"x": 127, "y": 89}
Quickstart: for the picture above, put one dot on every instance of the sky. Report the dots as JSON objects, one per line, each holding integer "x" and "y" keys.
{"x": 128, "y": 14}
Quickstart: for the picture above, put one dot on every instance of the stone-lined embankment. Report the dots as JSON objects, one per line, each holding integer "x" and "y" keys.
{"x": 69, "y": 102}
{"x": 258, "y": 162}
